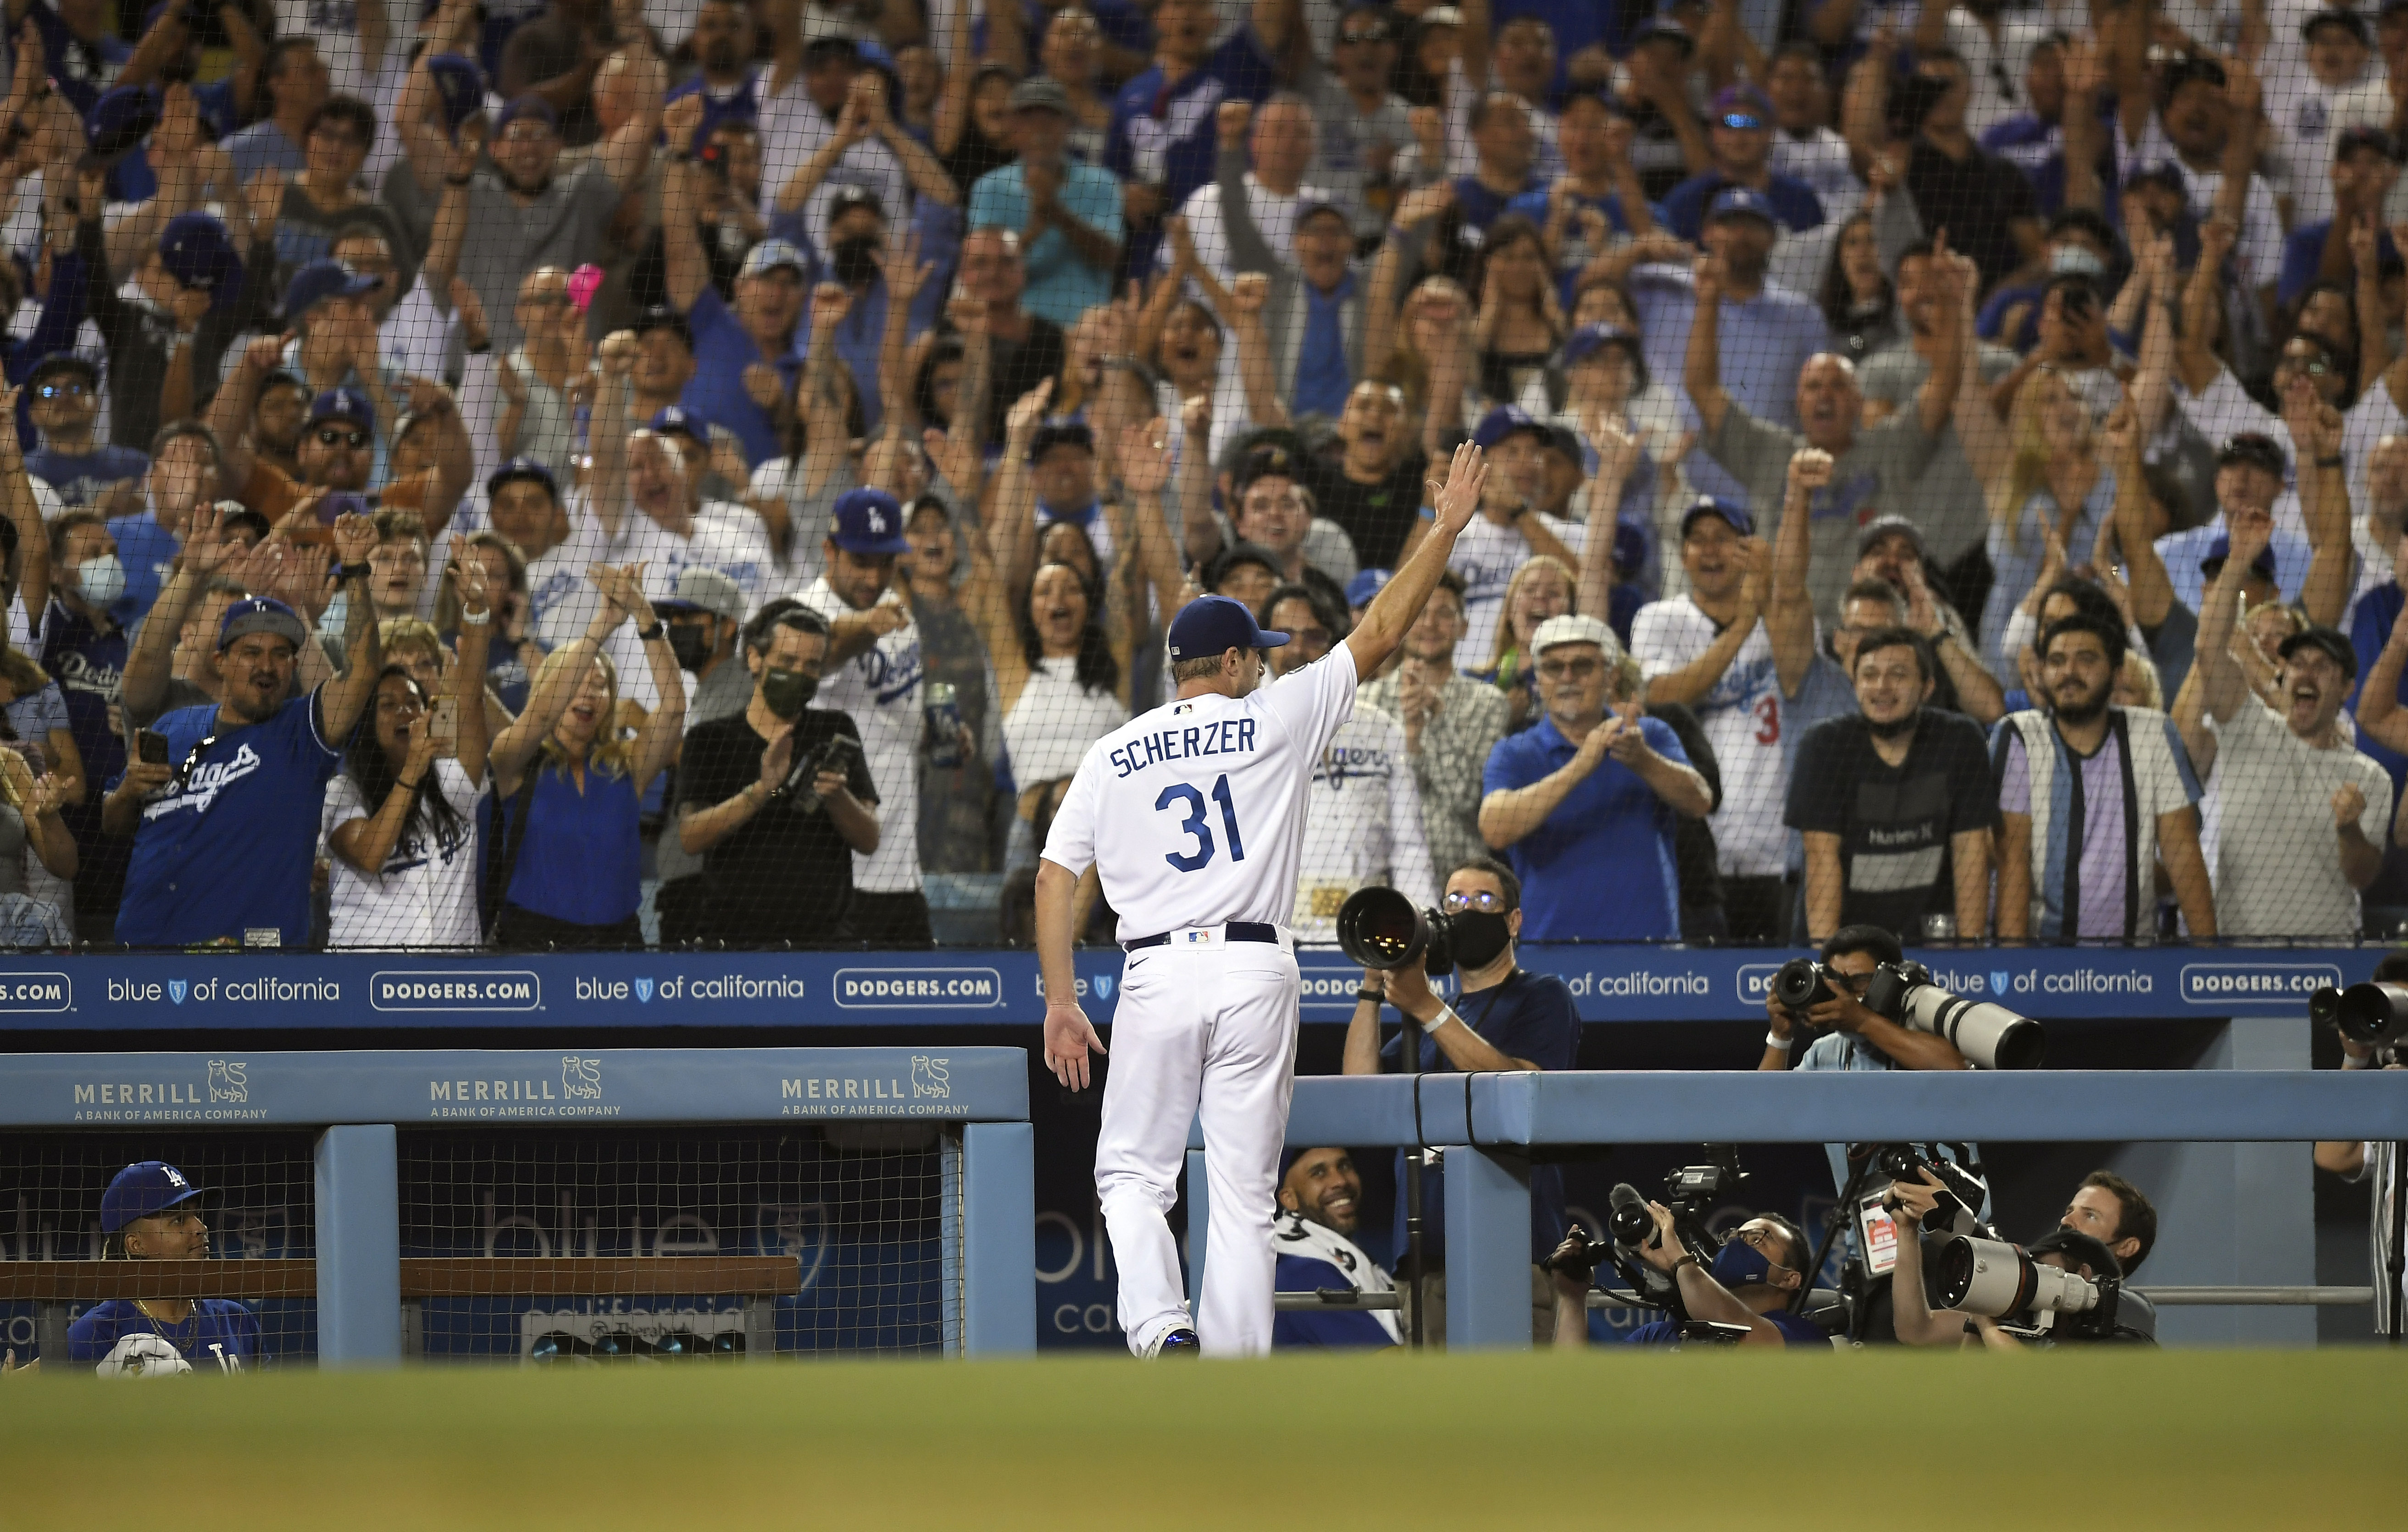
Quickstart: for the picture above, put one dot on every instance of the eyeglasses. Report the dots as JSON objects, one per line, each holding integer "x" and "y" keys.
{"x": 1367, "y": 34}
{"x": 526, "y": 132}
{"x": 2315, "y": 366}
{"x": 1572, "y": 669}
{"x": 64, "y": 391}
{"x": 1455, "y": 904}
{"x": 342, "y": 435}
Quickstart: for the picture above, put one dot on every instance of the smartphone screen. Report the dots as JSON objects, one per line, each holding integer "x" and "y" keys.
{"x": 443, "y": 726}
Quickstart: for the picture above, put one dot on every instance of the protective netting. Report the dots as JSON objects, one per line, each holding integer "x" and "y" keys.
{"x": 673, "y": 1244}
{"x": 879, "y": 378}
{"x": 209, "y": 1249}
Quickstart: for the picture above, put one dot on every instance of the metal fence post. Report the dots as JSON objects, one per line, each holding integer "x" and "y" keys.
{"x": 359, "y": 1246}
{"x": 1487, "y": 1249}
{"x": 999, "y": 1238}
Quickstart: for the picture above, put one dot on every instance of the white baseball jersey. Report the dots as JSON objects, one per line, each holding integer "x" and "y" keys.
{"x": 880, "y": 688}
{"x": 1487, "y": 556}
{"x": 1363, "y": 826}
{"x": 1744, "y": 717}
{"x": 1194, "y": 814}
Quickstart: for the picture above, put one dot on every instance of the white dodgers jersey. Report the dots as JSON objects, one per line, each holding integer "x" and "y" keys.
{"x": 1363, "y": 826}
{"x": 1193, "y": 814}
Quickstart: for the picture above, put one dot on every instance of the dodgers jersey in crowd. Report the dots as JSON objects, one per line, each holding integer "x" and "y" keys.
{"x": 880, "y": 688}
{"x": 1363, "y": 825}
{"x": 1744, "y": 717}
{"x": 219, "y": 1333}
{"x": 1193, "y": 814}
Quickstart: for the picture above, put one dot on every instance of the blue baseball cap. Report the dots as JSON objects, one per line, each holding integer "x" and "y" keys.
{"x": 119, "y": 121}
{"x": 258, "y": 614}
{"x": 2212, "y": 562}
{"x": 869, "y": 524}
{"x": 678, "y": 420}
{"x": 142, "y": 1191}
{"x": 1740, "y": 202}
{"x": 321, "y": 281}
{"x": 1216, "y": 625}
{"x": 1659, "y": 28}
{"x": 773, "y": 255}
{"x": 1059, "y": 432}
{"x": 527, "y": 105}
{"x": 343, "y": 404}
{"x": 1365, "y": 585}
{"x": 1735, "y": 516}
{"x": 525, "y": 468}
{"x": 1503, "y": 422}
{"x": 460, "y": 84}
{"x": 198, "y": 253}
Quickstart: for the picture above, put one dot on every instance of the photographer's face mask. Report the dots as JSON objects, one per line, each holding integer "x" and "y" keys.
{"x": 787, "y": 693}
{"x": 1480, "y": 936}
{"x": 1739, "y": 1264}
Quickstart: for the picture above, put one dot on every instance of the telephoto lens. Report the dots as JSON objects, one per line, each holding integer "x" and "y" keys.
{"x": 1379, "y": 928}
{"x": 1799, "y": 983}
{"x": 2372, "y": 1015}
{"x": 1999, "y": 1280}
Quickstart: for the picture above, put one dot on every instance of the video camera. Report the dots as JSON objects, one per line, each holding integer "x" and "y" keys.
{"x": 1688, "y": 1193}
{"x": 2031, "y": 1299}
{"x": 1988, "y": 1033}
{"x": 2373, "y": 1015}
{"x": 1379, "y": 928}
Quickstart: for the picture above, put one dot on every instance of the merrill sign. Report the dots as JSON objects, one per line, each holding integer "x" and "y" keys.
{"x": 925, "y": 1091}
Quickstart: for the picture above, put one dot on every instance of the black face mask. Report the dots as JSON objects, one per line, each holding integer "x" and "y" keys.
{"x": 691, "y": 643}
{"x": 787, "y": 693}
{"x": 1480, "y": 938}
{"x": 855, "y": 260}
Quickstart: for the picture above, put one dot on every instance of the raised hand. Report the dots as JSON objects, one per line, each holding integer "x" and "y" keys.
{"x": 1755, "y": 578}
{"x": 2251, "y": 531}
{"x": 355, "y": 537}
{"x": 779, "y": 758}
{"x": 2348, "y": 803}
{"x": 1231, "y": 122}
{"x": 206, "y": 547}
{"x": 1247, "y": 295}
{"x": 420, "y": 733}
{"x": 468, "y": 579}
{"x": 681, "y": 119}
{"x": 1810, "y": 469}
{"x": 1020, "y": 422}
{"x": 1707, "y": 274}
{"x": 263, "y": 200}
{"x": 1458, "y": 501}
{"x": 763, "y": 385}
{"x": 1146, "y": 456}
{"x": 830, "y": 303}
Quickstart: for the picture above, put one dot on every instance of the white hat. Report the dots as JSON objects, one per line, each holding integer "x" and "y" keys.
{"x": 1571, "y": 629}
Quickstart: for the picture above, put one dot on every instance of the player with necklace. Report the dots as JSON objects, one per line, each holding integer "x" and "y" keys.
{"x": 152, "y": 1212}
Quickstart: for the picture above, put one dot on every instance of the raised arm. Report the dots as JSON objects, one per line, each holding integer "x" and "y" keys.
{"x": 475, "y": 739}
{"x": 24, "y": 513}
{"x": 2225, "y": 687}
{"x": 1400, "y": 601}
{"x": 1702, "y": 371}
{"x": 1789, "y": 621}
{"x": 663, "y": 730}
{"x": 1936, "y": 401}
{"x": 1617, "y": 453}
{"x": 686, "y": 267}
{"x": 606, "y": 432}
{"x": 450, "y": 235}
{"x": 1980, "y": 429}
{"x": 2194, "y": 364}
{"x": 2379, "y": 712}
{"x": 953, "y": 106}
{"x": 1255, "y": 369}
{"x": 2323, "y": 503}
{"x": 151, "y": 662}
{"x": 2144, "y": 572}
{"x": 342, "y": 700}
{"x": 555, "y": 688}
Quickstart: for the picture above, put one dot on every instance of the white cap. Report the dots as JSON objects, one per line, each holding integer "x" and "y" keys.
{"x": 1570, "y": 629}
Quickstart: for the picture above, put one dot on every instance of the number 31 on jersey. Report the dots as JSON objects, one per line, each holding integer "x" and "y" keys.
{"x": 1193, "y": 826}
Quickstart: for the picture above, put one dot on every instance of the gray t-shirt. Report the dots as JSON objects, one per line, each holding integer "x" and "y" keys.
{"x": 1349, "y": 136}
{"x": 563, "y": 227}
{"x": 1873, "y": 476}
{"x": 2278, "y": 863}
{"x": 1949, "y": 504}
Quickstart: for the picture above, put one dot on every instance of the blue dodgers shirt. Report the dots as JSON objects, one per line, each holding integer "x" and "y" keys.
{"x": 1599, "y": 868}
{"x": 218, "y": 1335}
{"x": 1529, "y": 1016}
{"x": 722, "y": 352}
{"x": 148, "y": 553}
{"x": 1164, "y": 135}
{"x": 81, "y": 477}
{"x": 226, "y": 853}
{"x": 1795, "y": 1329}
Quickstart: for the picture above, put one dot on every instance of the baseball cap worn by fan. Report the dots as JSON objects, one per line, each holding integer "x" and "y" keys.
{"x": 528, "y": 105}
{"x": 321, "y": 281}
{"x": 1735, "y": 517}
{"x": 1041, "y": 95}
{"x": 1216, "y": 625}
{"x": 2212, "y": 562}
{"x": 678, "y": 420}
{"x": 461, "y": 86}
{"x": 199, "y": 253}
{"x": 121, "y": 120}
{"x": 2255, "y": 449}
{"x": 61, "y": 362}
{"x": 2331, "y": 640}
{"x": 1059, "y": 432}
{"x": 771, "y": 254}
{"x": 1504, "y": 422}
{"x": 869, "y": 524}
{"x": 1572, "y": 628}
{"x": 1740, "y": 202}
{"x": 261, "y": 614}
{"x": 704, "y": 591}
{"x": 143, "y": 1190}
{"x": 523, "y": 468}
{"x": 343, "y": 404}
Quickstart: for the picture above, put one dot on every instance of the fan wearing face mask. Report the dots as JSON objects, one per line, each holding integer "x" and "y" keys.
{"x": 1503, "y": 1018}
{"x": 775, "y": 814}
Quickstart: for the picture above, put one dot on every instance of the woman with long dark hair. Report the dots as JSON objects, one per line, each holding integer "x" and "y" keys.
{"x": 401, "y": 816}
{"x": 1857, "y": 297}
{"x": 1520, "y": 322}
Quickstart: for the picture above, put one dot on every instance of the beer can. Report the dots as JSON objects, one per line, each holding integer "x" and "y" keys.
{"x": 944, "y": 714}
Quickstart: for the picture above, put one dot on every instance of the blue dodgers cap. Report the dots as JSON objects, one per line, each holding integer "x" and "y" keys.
{"x": 321, "y": 281}
{"x": 343, "y": 404}
{"x": 2212, "y": 562}
{"x": 119, "y": 121}
{"x": 1503, "y": 422}
{"x": 869, "y": 524}
{"x": 1740, "y": 202}
{"x": 678, "y": 420}
{"x": 141, "y": 1191}
{"x": 1365, "y": 585}
{"x": 198, "y": 253}
{"x": 1214, "y": 625}
{"x": 528, "y": 105}
{"x": 525, "y": 469}
{"x": 773, "y": 255}
{"x": 460, "y": 84}
{"x": 1735, "y": 516}
{"x": 261, "y": 614}
{"x": 1059, "y": 432}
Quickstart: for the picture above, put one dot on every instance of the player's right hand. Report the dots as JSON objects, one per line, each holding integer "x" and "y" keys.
{"x": 1070, "y": 1037}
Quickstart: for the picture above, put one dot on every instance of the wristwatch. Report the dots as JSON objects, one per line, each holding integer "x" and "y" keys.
{"x": 361, "y": 570}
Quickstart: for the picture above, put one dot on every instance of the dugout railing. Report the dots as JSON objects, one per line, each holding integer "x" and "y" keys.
{"x": 2233, "y": 1194}
{"x": 391, "y": 1136}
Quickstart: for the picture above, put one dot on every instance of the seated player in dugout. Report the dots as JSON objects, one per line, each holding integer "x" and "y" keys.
{"x": 150, "y": 1212}
{"x": 1321, "y": 1207}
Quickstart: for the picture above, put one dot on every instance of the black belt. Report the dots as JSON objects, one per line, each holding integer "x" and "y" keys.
{"x": 1235, "y": 931}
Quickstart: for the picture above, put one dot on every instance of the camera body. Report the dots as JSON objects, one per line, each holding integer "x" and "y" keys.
{"x": 1988, "y": 1033}
{"x": 1379, "y": 928}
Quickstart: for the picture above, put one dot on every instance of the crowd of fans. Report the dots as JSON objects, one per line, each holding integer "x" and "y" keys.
{"x": 690, "y": 470}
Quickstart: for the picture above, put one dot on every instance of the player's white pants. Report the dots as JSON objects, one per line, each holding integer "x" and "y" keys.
{"x": 1208, "y": 1030}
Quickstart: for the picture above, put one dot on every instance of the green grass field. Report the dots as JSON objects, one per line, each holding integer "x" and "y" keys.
{"x": 2175, "y": 1439}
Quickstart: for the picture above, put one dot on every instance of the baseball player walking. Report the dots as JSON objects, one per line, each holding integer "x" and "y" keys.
{"x": 1194, "y": 817}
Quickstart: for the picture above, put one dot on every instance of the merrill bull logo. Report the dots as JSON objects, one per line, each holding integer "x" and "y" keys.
{"x": 227, "y": 1081}
{"x": 580, "y": 1079}
{"x": 929, "y": 1077}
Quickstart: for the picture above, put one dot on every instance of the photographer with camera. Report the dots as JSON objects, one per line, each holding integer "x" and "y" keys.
{"x": 2372, "y": 1161}
{"x": 2105, "y": 1232}
{"x": 778, "y": 799}
{"x": 1749, "y": 1283}
{"x": 1510, "y": 1019}
{"x": 1846, "y": 1035}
